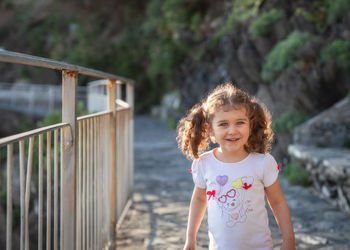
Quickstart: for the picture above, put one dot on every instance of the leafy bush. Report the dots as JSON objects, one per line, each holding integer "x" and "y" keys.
{"x": 283, "y": 54}
{"x": 287, "y": 122}
{"x": 168, "y": 21}
{"x": 296, "y": 175}
{"x": 316, "y": 17}
{"x": 339, "y": 50}
{"x": 242, "y": 10}
{"x": 262, "y": 25}
{"x": 337, "y": 9}
{"x": 69, "y": 39}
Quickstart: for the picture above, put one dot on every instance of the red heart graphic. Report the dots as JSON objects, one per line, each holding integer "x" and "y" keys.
{"x": 246, "y": 187}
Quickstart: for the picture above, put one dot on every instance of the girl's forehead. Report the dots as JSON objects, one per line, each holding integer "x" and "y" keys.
{"x": 231, "y": 112}
{"x": 238, "y": 109}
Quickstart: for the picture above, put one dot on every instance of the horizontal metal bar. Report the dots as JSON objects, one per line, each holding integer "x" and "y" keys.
{"x": 122, "y": 104}
{"x": 21, "y": 136}
{"x": 103, "y": 82}
{"x": 19, "y": 58}
{"x": 85, "y": 117}
{"x": 119, "y": 109}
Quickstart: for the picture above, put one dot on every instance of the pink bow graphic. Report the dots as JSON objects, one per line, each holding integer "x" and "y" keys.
{"x": 211, "y": 194}
{"x": 279, "y": 167}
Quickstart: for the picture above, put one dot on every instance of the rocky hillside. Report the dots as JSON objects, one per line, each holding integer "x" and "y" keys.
{"x": 293, "y": 55}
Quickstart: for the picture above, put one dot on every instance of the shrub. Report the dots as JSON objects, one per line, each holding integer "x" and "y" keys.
{"x": 262, "y": 25}
{"x": 287, "y": 122}
{"x": 336, "y": 10}
{"x": 316, "y": 17}
{"x": 283, "y": 54}
{"x": 339, "y": 50}
{"x": 242, "y": 10}
{"x": 296, "y": 175}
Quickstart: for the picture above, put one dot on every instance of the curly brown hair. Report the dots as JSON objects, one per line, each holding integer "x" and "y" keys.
{"x": 193, "y": 129}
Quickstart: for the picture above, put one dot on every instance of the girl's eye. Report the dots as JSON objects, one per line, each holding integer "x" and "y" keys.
{"x": 240, "y": 123}
{"x": 223, "y": 124}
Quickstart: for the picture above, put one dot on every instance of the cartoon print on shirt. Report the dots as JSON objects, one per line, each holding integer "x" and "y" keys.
{"x": 233, "y": 204}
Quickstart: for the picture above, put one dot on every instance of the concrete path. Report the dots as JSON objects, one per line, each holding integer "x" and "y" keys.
{"x": 163, "y": 187}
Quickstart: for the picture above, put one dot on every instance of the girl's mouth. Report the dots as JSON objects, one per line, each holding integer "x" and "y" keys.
{"x": 232, "y": 139}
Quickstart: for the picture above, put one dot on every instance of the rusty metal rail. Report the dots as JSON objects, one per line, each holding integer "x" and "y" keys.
{"x": 92, "y": 166}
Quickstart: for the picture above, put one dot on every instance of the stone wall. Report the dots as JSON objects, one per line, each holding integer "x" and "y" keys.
{"x": 328, "y": 129}
{"x": 318, "y": 147}
{"x": 329, "y": 169}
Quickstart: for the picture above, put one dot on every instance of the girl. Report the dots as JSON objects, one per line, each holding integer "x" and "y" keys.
{"x": 232, "y": 179}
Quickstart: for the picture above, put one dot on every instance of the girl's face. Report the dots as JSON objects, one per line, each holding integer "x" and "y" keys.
{"x": 230, "y": 128}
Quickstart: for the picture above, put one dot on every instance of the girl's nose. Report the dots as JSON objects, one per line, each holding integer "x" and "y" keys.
{"x": 231, "y": 129}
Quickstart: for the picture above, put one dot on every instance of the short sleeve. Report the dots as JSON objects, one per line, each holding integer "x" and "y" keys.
{"x": 197, "y": 174}
{"x": 270, "y": 170}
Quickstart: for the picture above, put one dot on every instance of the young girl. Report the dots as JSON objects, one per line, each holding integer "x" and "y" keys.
{"x": 232, "y": 179}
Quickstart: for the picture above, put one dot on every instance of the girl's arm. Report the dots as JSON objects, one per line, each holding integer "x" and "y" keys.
{"x": 281, "y": 212}
{"x": 197, "y": 209}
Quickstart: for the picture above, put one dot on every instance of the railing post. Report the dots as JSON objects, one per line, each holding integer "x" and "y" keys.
{"x": 130, "y": 101}
{"x": 111, "y": 96}
{"x": 68, "y": 154}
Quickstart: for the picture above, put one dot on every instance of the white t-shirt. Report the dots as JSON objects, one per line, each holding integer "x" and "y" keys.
{"x": 237, "y": 216}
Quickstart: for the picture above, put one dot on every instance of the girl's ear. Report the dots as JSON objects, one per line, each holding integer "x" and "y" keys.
{"x": 208, "y": 128}
{"x": 210, "y": 133}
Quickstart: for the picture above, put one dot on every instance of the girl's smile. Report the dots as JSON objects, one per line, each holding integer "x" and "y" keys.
{"x": 230, "y": 128}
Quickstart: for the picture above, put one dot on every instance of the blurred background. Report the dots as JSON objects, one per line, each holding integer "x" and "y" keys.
{"x": 294, "y": 56}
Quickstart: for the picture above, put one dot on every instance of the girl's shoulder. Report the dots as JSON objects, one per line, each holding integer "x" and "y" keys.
{"x": 261, "y": 156}
{"x": 206, "y": 155}
{"x": 203, "y": 158}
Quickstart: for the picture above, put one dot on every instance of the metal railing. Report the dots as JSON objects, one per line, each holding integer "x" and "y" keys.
{"x": 88, "y": 174}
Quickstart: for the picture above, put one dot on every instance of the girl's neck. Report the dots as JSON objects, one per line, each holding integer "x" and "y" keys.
{"x": 229, "y": 157}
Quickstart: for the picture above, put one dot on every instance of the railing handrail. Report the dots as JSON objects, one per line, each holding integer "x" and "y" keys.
{"x": 88, "y": 155}
{"x": 18, "y": 86}
{"x": 34, "y": 132}
{"x": 19, "y": 58}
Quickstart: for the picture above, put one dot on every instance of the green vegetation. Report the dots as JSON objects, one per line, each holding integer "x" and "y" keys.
{"x": 2, "y": 190}
{"x": 171, "y": 123}
{"x": 242, "y": 10}
{"x": 3, "y": 199}
{"x": 3, "y": 156}
{"x": 320, "y": 145}
{"x": 68, "y": 39}
{"x": 296, "y": 175}
{"x": 317, "y": 16}
{"x": 16, "y": 216}
{"x": 262, "y": 25}
{"x": 287, "y": 122}
{"x": 324, "y": 12}
{"x": 339, "y": 50}
{"x": 152, "y": 44}
{"x": 346, "y": 143}
{"x": 337, "y": 9}
{"x": 169, "y": 31}
{"x": 282, "y": 56}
